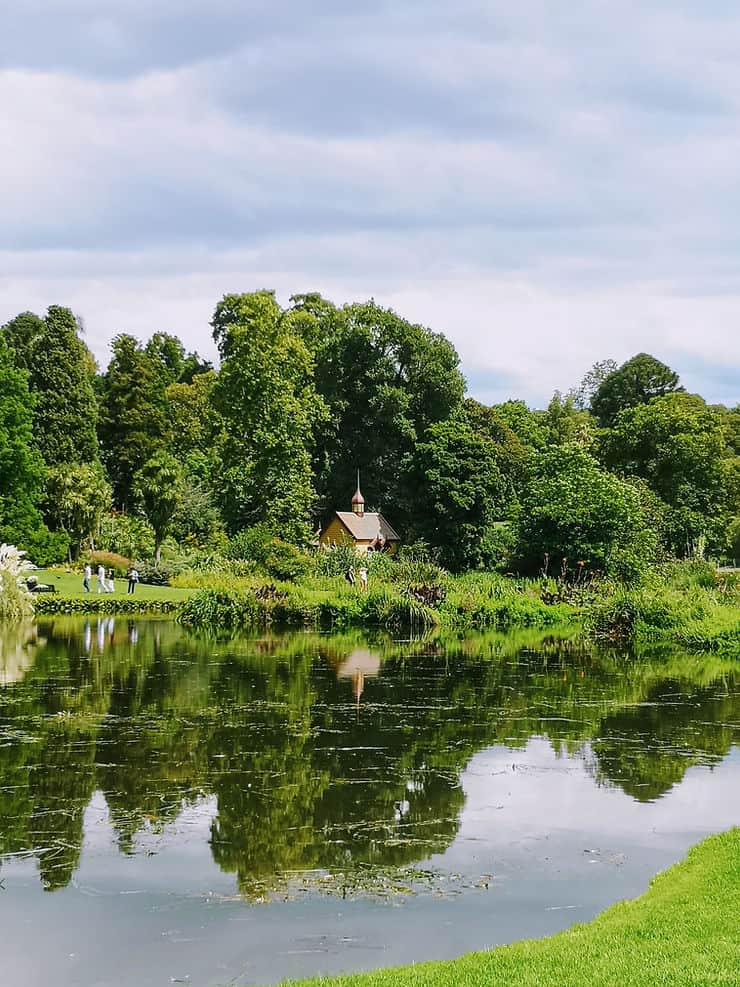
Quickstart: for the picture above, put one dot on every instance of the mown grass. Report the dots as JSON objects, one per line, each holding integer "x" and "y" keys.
{"x": 72, "y": 598}
{"x": 682, "y": 932}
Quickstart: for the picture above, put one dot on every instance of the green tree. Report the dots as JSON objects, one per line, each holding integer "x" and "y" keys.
{"x": 564, "y": 422}
{"x": 61, "y": 379}
{"x": 385, "y": 381}
{"x": 677, "y": 444}
{"x": 583, "y": 395}
{"x": 572, "y": 509}
{"x": 266, "y": 398}
{"x": 21, "y": 469}
{"x": 459, "y": 491}
{"x": 636, "y": 382}
{"x": 20, "y": 334}
{"x": 77, "y": 496}
{"x": 133, "y": 418}
{"x": 158, "y": 486}
{"x": 176, "y": 365}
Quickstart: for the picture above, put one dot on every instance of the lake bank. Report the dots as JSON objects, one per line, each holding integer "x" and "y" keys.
{"x": 683, "y": 930}
{"x": 697, "y": 613}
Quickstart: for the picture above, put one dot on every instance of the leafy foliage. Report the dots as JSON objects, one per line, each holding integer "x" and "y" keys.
{"x": 636, "y": 382}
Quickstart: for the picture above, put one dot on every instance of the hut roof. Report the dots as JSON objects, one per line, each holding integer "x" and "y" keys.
{"x": 367, "y": 527}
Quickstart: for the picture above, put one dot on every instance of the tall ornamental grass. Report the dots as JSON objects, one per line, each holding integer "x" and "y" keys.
{"x": 16, "y": 601}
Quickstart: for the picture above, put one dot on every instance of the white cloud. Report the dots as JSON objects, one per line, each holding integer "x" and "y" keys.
{"x": 549, "y": 187}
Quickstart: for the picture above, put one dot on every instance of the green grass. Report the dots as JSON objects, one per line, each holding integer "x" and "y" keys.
{"x": 682, "y": 932}
{"x": 71, "y": 597}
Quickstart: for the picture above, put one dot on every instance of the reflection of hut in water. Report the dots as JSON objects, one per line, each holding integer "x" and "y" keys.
{"x": 356, "y": 666}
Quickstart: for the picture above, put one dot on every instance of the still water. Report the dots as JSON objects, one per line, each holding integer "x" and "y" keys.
{"x": 176, "y": 809}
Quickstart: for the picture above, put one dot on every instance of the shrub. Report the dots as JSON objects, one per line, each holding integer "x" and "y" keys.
{"x": 110, "y": 560}
{"x": 276, "y": 557}
{"x": 154, "y": 575}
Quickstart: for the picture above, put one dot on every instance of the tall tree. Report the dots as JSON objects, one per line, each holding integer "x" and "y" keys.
{"x": 21, "y": 469}
{"x": 266, "y": 397}
{"x": 61, "y": 378}
{"x": 20, "y": 334}
{"x": 636, "y": 382}
{"x": 385, "y": 381}
{"x": 158, "y": 486}
{"x": 459, "y": 491}
{"x": 678, "y": 445}
{"x": 133, "y": 419}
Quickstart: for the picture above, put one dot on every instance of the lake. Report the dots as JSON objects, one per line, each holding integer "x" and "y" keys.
{"x": 176, "y": 809}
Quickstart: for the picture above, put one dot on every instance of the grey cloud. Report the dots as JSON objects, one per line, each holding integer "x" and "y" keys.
{"x": 563, "y": 165}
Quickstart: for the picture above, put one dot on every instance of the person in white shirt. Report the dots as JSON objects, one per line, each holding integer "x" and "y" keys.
{"x": 102, "y": 588}
{"x": 87, "y": 578}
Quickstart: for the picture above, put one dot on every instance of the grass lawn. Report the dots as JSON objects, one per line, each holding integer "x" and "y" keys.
{"x": 69, "y": 584}
{"x": 684, "y": 931}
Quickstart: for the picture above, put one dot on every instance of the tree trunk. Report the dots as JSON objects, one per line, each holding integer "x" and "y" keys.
{"x": 157, "y": 551}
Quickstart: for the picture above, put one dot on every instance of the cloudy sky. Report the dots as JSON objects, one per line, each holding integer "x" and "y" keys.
{"x": 549, "y": 184}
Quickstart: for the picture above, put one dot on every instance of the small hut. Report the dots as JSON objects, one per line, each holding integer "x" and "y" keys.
{"x": 366, "y": 531}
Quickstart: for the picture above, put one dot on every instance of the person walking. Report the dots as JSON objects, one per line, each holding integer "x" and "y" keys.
{"x": 111, "y": 581}
{"x": 133, "y": 578}
{"x": 363, "y": 578}
{"x": 350, "y": 576}
{"x": 87, "y": 577}
{"x": 102, "y": 588}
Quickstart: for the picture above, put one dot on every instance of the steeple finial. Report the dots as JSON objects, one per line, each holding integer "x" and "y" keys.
{"x": 358, "y": 501}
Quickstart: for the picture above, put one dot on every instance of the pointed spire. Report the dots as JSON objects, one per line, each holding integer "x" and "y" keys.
{"x": 358, "y": 501}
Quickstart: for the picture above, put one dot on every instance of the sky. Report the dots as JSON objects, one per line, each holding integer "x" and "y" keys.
{"x": 548, "y": 184}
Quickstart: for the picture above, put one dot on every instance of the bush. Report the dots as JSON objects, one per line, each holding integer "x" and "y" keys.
{"x": 154, "y": 575}
{"x": 276, "y": 557}
{"x": 44, "y": 547}
{"x": 110, "y": 560}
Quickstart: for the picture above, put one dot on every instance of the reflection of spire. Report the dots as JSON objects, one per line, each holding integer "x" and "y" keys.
{"x": 356, "y": 666}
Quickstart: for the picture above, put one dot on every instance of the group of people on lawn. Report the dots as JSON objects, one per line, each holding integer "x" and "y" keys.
{"x": 351, "y": 579}
{"x": 106, "y": 579}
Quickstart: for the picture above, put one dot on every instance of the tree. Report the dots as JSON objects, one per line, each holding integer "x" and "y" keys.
{"x": 459, "y": 491}
{"x": 583, "y": 395}
{"x": 61, "y": 379}
{"x": 266, "y": 397}
{"x": 158, "y": 486}
{"x": 564, "y": 422}
{"x": 77, "y": 496}
{"x": 385, "y": 381}
{"x": 168, "y": 354}
{"x": 636, "y": 382}
{"x": 677, "y": 444}
{"x": 20, "y": 334}
{"x": 133, "y": 420}
{"x": 195, "y": 423}
{"x": 572, "y": 509}
{"x": 21, "y": 468}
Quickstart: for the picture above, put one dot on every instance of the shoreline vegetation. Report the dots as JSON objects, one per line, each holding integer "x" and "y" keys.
{"x": 685, "y": 605}
{"x": 683, "y": 930}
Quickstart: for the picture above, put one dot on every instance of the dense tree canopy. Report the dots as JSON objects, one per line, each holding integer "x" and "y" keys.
{"x": 625, "y": 469}
{"x": 678, "y": 445}
{"x": 267, "y": 401}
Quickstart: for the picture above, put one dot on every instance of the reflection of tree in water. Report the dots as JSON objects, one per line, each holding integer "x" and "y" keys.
{"x": 313, "y": 765}
{"x": 647, "y": 749}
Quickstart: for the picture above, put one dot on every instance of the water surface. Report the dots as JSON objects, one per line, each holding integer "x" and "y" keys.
{"x": 178, "y": 809}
